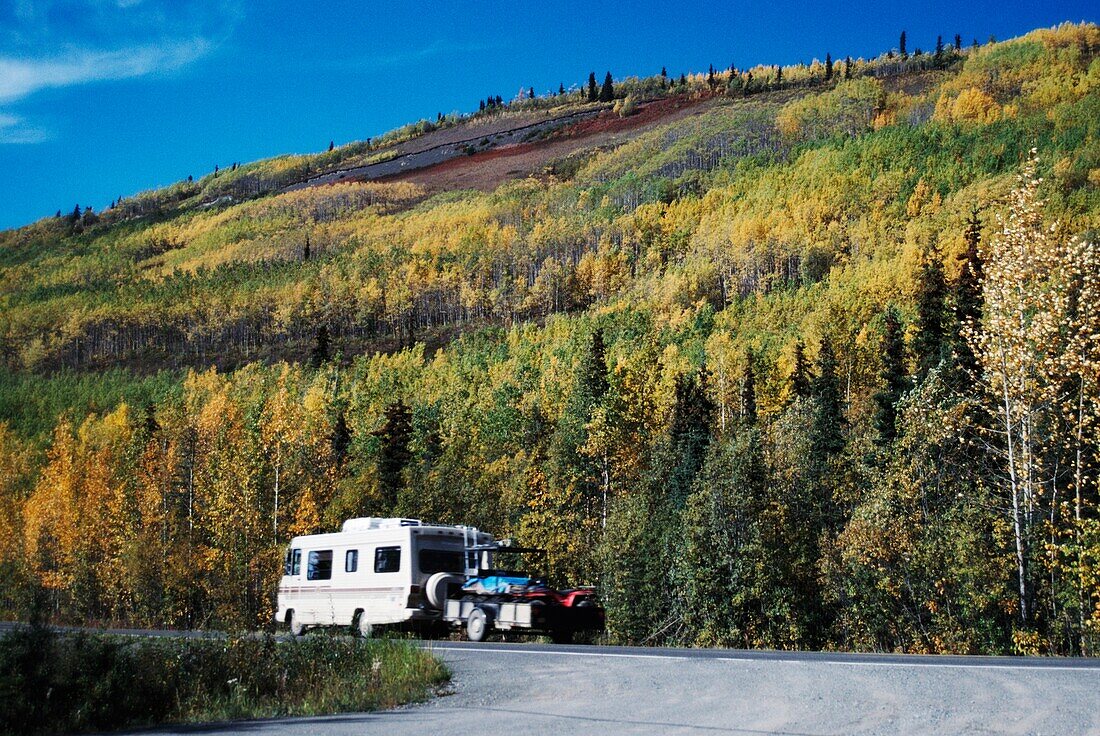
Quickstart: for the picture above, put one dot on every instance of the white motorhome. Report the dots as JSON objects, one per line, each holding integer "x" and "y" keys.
{"x": 374, "y": 571}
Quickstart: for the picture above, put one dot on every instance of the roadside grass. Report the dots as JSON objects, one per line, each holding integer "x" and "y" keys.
{"x": 67, "y": 683}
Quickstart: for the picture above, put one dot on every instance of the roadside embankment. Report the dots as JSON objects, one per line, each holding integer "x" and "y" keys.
{"x": 53, "y": 682}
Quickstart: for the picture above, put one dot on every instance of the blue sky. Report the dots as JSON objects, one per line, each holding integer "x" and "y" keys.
{"x": 101, "y": 98}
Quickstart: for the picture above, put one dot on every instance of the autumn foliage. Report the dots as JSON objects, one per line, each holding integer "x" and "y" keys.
{"x": 815, "y": 367}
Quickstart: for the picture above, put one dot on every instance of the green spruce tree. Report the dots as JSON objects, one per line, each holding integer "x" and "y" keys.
{"x": 690, "y": 434}
{"x": 799, "y": 381}
{"x": 893, "y": 378}
{"x": 394, "y": 453}
{"x": 320, "y": 354}
{"x": 930, "y": 338}
{"x": 748, "y": 391}
{"x": 607, "y": 91}
{"x": 828, "y": 429}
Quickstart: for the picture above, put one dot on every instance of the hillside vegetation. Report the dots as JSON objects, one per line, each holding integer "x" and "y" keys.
{"x": 813, "y": 364}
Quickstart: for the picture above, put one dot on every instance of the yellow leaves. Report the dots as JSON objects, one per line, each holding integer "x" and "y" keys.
{"x": 307, "y": 515}
{"x": 924, "y": 199}
{"x": 1026, "y": 642}
{"x": 604, "y": 273}
{"x": 77, "y": 512}
{"x": 884, "y": 118}
{"x": 849, "y": 108}
{"x": 1071, "y": 36}
{"x": 971, "y": 105}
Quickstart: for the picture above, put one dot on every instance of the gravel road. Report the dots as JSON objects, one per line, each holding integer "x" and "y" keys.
{"x": 518, "y": 688}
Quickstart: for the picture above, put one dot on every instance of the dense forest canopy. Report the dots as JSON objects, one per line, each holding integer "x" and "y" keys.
{"x": 817, "y": 366}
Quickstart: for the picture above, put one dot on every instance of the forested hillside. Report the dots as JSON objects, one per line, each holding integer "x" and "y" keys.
{"x": 814, "y": 361}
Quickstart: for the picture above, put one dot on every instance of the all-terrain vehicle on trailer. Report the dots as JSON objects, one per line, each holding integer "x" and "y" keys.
{"x": 507, "y": 600}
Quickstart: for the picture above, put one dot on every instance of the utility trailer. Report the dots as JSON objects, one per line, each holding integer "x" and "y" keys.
{"x": 495, "y": 599}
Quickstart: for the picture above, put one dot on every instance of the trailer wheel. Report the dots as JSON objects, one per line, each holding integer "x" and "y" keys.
{"x": 477, "y": 625}
{"x": 561, "y": 636}
{"x": 295, "y": 624}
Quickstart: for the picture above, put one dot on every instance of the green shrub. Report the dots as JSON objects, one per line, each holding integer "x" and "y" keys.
{"x": 52, "y": 683}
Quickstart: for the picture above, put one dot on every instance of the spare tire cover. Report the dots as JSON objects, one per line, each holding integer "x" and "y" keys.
{"x": 435, "y": 590}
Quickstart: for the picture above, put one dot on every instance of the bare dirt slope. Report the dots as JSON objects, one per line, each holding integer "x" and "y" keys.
{"x": 485, "y": 170}
{"x": 484, "y": 154}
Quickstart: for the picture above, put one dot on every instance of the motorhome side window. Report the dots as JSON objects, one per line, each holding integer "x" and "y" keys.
{"x": 319, "y": 566}
{"x": 387, "y": 559}
{"x": 351, "y": 560}
{"x": 293, "y": 564}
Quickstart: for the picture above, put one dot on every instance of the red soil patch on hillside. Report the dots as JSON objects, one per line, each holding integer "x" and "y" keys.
{"x": 486, "y": 170}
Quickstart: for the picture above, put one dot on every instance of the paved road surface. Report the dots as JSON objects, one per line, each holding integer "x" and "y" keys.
{"x": 537, "y": 689}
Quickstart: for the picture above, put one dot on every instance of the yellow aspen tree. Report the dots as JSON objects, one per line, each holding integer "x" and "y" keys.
{"x": 50, "y": 521}
{"x": 105, "y": 514}
{"x": 1017, "y": 347}
{"x": 279, "y": 431}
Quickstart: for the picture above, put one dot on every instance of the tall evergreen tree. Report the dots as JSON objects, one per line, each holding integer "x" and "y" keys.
{"x": 893, "y": 378}
{"x": 731, "y": 578}
{"x": 939, "y": 48}
{"x": 593, "y": 94}
{"x": 901, "y": 46}
{"x": 847, "y": 67}
{"x": 748, "y": 391}
{"x": 593, "y": 382}
{"x": 320, "y": 354}
{"x": 586, "y": 477}
{"x": 340, "y": 438}
{"x": 930, "y": 340}
{"x": 778, "y": 75}
{"x": 827, "y": 432}
{"x": 800, "y": 373}
{"x": 394, "y": 453}
{"x": 690, "y": 433}
{"x": 958, "y": 43}
{"x": 305, "y": 249}
{"x": 967, "y": 293}
{"x": 561, "y": 88}
{"x": 828, "y": 66}
{"x": 607, "y": 91}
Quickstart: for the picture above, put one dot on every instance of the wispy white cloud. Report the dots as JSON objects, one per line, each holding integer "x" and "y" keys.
{"x": 20, "y": 77}
{"x": 53, "y": 44}
{"x": 13, "y": 129}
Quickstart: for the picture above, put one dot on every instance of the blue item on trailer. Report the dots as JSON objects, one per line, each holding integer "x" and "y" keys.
{"x": 495, "y": 584}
